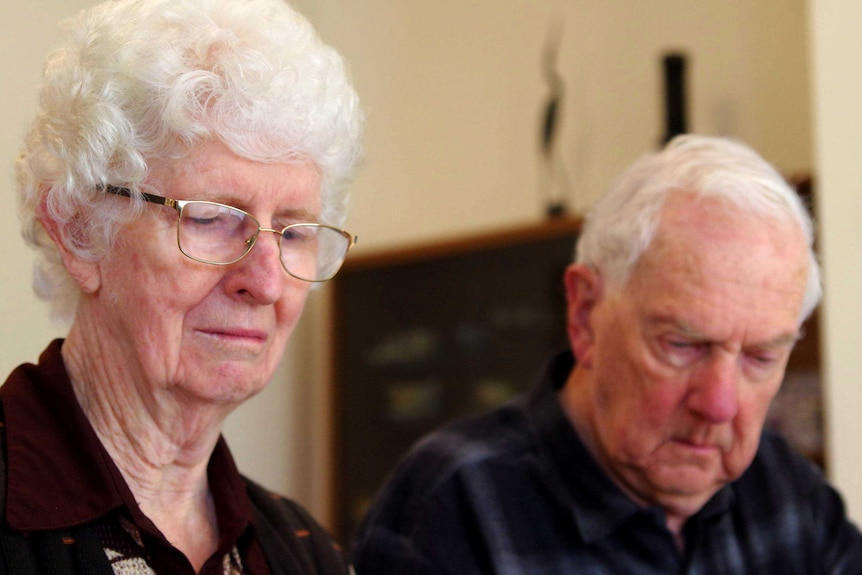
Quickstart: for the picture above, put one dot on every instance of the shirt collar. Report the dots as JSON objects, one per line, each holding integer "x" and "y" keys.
{"x": 60, "y": 475}
{"x": 597, "y": 504}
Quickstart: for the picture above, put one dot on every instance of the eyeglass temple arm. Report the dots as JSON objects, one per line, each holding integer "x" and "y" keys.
{"x": 127, "y": 193}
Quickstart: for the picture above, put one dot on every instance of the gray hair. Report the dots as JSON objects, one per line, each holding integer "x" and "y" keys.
{"x": 141, "y": 81}
{"x": 621, "y": 226}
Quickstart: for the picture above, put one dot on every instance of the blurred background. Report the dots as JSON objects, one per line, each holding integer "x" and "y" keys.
{"x": 457, "y": 95}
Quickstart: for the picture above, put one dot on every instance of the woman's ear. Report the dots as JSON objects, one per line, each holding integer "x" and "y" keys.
{"x": 85, "y": 272}
{"x": 583, "y": 293}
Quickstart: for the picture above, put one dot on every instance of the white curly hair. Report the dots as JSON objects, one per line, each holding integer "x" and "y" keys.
{"x": 137, "y": 82}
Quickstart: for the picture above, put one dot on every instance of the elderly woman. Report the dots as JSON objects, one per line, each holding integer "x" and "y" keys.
{"x": 185, "y": 183}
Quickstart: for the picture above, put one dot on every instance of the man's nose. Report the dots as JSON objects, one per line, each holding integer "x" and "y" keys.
{"x": 715, "y": 389}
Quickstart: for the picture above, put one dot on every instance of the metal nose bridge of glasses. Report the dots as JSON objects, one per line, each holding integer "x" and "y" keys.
{"x": 333, "y": 257}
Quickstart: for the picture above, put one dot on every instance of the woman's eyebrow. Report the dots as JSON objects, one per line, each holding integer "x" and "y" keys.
{"x": 296, "y": 214}
{"x": 293, "y": 214}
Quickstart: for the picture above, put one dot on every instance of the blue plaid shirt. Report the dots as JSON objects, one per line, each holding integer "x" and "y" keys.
{"x": 516, "y": 492}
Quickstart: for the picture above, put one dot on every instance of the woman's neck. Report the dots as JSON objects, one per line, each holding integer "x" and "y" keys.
{"x": 161, "y": 441}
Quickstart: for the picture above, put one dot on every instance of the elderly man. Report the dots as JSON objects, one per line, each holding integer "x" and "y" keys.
{"x": 642, "y": 450}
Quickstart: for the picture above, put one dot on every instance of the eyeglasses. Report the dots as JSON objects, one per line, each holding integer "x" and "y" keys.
{"x": 218, "y": 234}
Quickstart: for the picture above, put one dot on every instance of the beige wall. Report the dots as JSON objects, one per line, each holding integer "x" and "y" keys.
{"x": 837, "y": 90}
{"x": 453, "y": 91}
{"x": 28, "y": 33}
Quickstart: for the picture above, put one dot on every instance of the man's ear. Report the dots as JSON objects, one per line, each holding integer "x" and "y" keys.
{"x": 85, "y": 272}
{"x": 584, "y": 290}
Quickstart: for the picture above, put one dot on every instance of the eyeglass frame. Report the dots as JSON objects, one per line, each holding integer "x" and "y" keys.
{"x": 178, "y": 205}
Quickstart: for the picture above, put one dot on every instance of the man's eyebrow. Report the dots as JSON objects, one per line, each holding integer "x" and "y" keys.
{"x": 669, "y": 320}
{"x": 785, "y": 339}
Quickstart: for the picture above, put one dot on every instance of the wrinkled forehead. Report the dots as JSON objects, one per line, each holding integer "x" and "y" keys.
{"x": 691, "y": 223}
{"x": 705, "y": 249}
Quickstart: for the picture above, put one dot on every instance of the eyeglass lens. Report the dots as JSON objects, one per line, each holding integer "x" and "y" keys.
{"x": 220, "y": 234}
